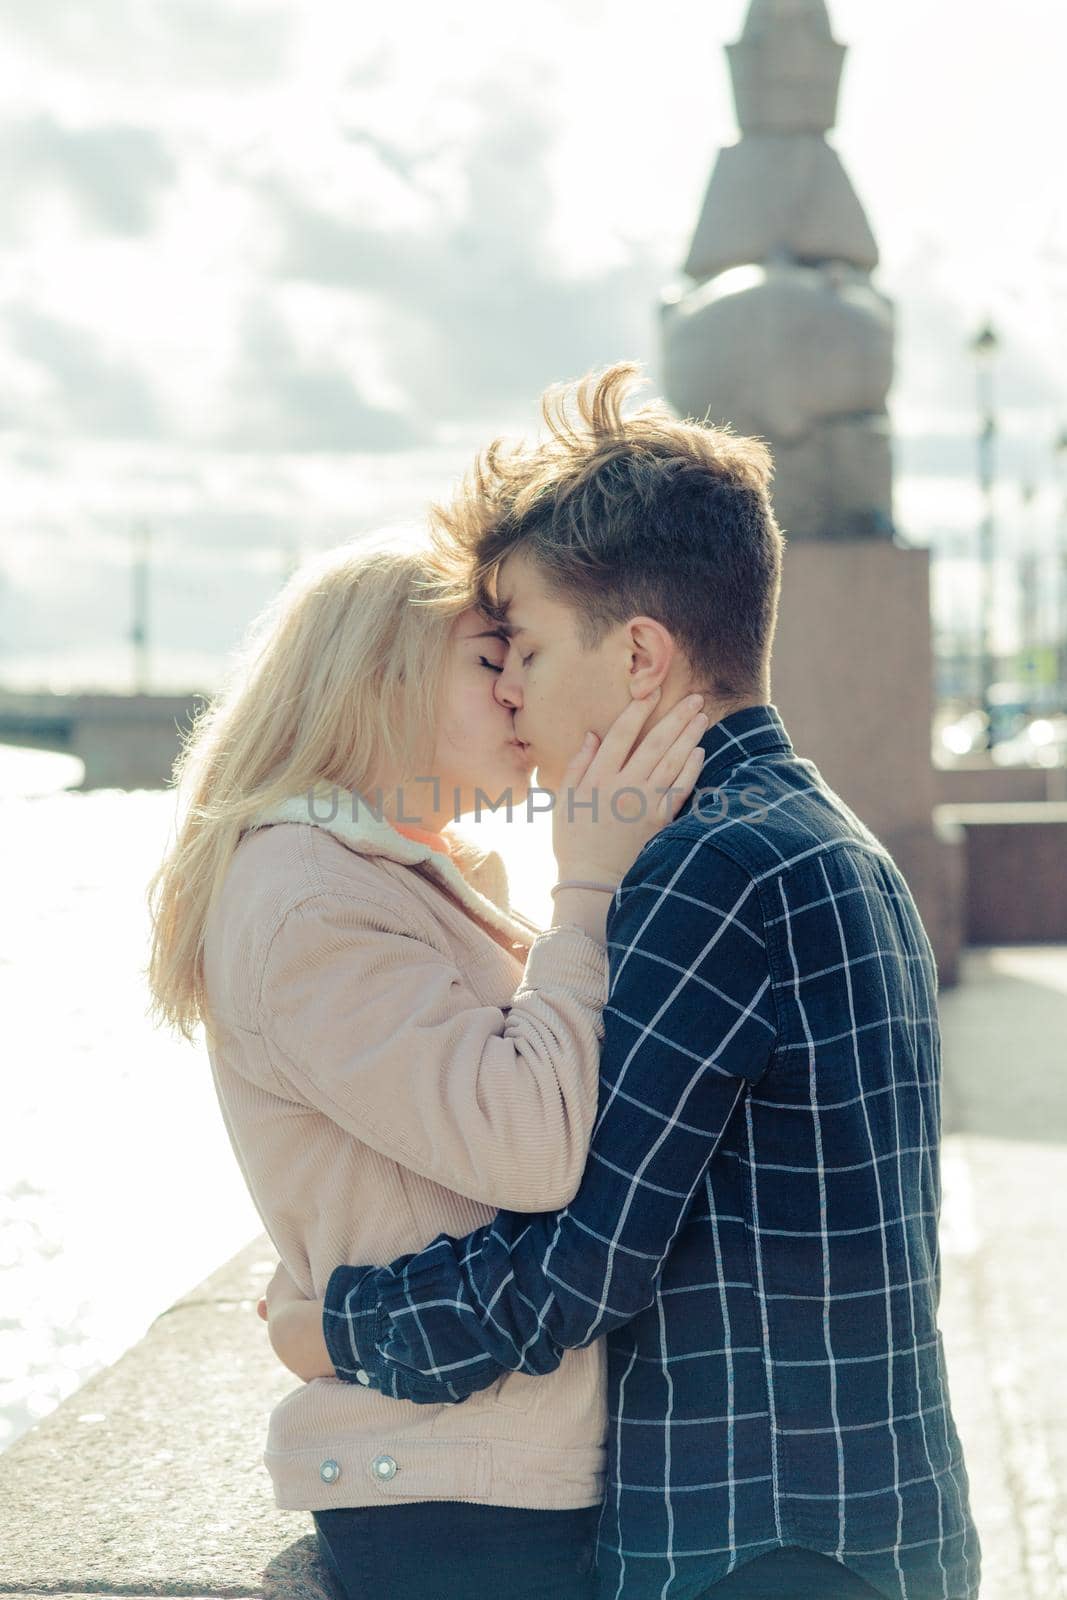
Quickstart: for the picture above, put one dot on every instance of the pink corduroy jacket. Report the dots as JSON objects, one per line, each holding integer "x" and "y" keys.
{"x": 397, "y": 1054}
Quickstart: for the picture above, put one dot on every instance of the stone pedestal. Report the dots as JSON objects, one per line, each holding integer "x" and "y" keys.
{"x": 852, "y": 675}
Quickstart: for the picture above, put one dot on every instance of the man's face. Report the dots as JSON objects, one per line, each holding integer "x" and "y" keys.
{"x": 556, "y": 690}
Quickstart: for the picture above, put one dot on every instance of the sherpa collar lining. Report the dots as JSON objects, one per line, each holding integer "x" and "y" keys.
{"x": 375, "y": 836}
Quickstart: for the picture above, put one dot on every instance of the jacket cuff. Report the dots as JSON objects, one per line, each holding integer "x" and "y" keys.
{"x": 352, "y": 1324}
{"x": 566, "y": 958}
{"x": 355, "y": 1325}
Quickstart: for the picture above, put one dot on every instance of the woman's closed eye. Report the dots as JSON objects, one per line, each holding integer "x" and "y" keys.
{"x": 493, "y": 667}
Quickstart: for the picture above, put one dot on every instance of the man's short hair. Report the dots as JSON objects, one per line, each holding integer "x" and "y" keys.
{"x": 636, "y": 515}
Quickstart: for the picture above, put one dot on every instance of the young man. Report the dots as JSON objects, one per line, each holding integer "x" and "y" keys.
{"x": 756, "y": 1231}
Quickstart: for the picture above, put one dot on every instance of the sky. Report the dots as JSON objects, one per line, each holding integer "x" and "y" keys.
{"x": 270, "y": 271}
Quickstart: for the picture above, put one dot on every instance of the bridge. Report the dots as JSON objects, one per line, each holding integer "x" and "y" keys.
{"x": 126, "y": 741}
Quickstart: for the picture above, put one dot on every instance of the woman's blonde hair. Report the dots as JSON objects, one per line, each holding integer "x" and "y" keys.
{"x": 336, "y": 682}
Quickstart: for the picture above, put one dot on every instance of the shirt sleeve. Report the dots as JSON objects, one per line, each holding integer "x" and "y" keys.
{"x": 374, "y": 1025}
{"x": 690, "y": 1024}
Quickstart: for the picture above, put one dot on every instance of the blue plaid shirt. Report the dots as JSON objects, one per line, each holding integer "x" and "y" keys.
{"x": 756, "y": 1230}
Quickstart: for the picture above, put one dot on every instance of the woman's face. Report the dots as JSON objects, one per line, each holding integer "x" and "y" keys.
{"x": 476, "y": 744}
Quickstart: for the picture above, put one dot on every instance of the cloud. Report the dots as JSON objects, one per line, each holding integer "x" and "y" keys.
{"x": 199, "y": 41}
{"x": 477, "y": 316}
{"x": 115, "y": 173}
{"x": 85, "y": 392}
{"x": 279, "y": 400}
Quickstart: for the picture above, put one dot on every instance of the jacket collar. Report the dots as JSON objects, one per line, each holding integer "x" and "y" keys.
{"x": 477, "y": 878}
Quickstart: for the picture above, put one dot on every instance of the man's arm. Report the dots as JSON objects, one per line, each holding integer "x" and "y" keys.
{"x": 689, "y": 1025}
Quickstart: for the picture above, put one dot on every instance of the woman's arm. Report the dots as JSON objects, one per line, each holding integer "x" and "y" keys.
{"x": 374, "y": 1024}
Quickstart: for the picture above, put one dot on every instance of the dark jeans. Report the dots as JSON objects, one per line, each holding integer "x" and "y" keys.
{"x": 449, "y": 1550}
{"x": 792, "y": 1574}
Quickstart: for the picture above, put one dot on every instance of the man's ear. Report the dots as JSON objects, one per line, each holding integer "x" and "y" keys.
{"x": 652, "y": 653}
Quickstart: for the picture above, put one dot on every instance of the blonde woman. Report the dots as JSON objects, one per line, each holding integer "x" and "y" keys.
{"x": 396, "y": 1051}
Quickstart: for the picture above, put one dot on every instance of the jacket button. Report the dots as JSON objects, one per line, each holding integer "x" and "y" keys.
{"x": 362, "y": 1377}
{"x": 384, "y": 1467}
{"x": 329, "y": 1472}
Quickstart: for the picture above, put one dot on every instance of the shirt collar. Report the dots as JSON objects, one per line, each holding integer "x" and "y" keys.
{"x": 752, "y": 731}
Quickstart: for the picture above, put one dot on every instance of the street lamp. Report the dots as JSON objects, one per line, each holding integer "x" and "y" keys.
{"x": 984, "y": 347}
{"x": 1029, "y": 581}
{"x": 1060, "y": 450}
{"x": 142, "y": 549}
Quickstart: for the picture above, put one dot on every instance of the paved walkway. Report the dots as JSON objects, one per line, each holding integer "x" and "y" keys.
{"x": 149, "y": 1480}
{"x": 1004, "y": 1251}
